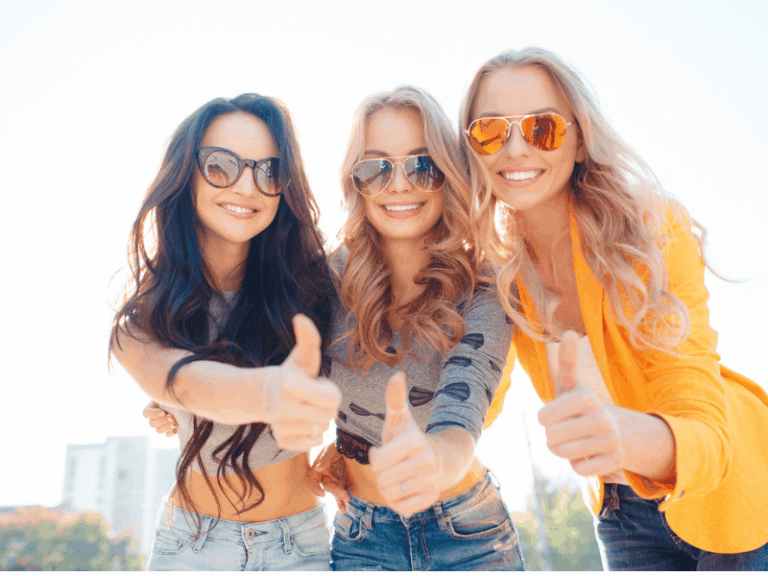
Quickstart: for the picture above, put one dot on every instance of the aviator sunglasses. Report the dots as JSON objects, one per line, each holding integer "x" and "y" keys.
{"x": 371, "y": 177}
{"x": 544, "y": 131}
{"x": 222, "y": 168}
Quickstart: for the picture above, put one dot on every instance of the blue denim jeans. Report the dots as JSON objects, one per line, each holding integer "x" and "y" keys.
{"x": 469, "y": 531}
{"x": 633, "y": 535}
{"x": 298, "y": 542}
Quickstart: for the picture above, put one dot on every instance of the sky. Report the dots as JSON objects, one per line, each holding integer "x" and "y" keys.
{"x": 92, "y": 90}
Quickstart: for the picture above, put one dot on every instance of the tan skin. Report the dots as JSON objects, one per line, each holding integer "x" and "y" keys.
{"x": 597, "y": 438}
{"x": 225, "y": 393}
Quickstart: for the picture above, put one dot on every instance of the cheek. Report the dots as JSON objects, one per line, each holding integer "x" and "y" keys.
{"x": 439, "y": 208}
{"x": 486, "y": 163}
{"x": 565, "y": 162}
{"x": 367, "y": 208}
{"x": 273, "y": 207}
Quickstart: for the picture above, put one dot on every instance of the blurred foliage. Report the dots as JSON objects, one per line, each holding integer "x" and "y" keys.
{"x": 46, "y": 539}
{"x": 570, "y": 531}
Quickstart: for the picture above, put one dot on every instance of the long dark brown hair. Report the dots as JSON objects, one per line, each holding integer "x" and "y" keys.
{"x": 168, "y": 296}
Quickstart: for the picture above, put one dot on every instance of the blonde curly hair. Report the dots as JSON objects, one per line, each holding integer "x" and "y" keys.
{"x": 365, "y": 283}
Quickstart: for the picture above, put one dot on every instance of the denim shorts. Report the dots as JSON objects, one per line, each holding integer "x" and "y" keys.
{"x": 633, "y": 535}
{"x": 470, "y": 531}
{"x": 298, "y": 542}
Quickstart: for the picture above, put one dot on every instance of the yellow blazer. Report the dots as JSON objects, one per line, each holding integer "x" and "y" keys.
{"x": 719, "y": 500}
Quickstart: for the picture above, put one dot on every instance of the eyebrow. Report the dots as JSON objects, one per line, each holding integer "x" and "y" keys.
{"x": 381, "y": 154}
{"x": 488, "y": 113}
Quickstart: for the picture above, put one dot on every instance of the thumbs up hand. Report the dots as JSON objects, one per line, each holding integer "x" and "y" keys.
{"x": 407, "y": 466}
{"x": 579, "y": 425}
{"x": 299, "y": 406}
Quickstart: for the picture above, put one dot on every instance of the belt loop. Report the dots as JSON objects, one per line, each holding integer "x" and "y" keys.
{"x": 286, "y": 535}
{"x": 438, "y": 508}
{"x": 166, "y": 514}
{"x": 368, "y": 516}
{"x": 205, "y": 522}
{"x": 615, "y": 496}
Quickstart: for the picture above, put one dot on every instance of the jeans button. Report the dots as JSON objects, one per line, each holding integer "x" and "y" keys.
{"x": 250, "y": 533}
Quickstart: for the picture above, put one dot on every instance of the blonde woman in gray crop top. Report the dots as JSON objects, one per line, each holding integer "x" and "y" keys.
{"x": 419, "y": 344}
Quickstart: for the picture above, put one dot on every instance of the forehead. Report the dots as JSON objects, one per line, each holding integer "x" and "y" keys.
{"x": 518, "y": 91}
{"x": 243, "y": 133}
{"x": 396, "y": 131}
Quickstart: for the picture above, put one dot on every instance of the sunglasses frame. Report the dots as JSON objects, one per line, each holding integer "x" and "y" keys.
{"x": 392, "y": 174}
{"x": 519, "y": 122}
{"x": 203, "y": 153}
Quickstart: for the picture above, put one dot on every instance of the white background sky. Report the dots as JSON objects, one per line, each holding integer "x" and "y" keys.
{"x": 90, "y": 91}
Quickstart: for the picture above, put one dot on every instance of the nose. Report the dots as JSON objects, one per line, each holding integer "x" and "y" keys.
{"x": 399, "y": 182}
{"x": 246, "y": 185}
{"x": 516, "y": 144}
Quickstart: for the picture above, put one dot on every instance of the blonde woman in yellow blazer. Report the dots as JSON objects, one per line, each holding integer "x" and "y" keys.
{"x": 604, "y": 278}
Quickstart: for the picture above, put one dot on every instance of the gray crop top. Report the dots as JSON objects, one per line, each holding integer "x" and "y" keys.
{"x": 444, "y": 390}
{"x": 264, "y": 452}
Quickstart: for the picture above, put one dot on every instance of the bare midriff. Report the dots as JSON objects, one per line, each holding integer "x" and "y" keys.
{"x": 362, "y": 483}
{"x": 285, "y": 485}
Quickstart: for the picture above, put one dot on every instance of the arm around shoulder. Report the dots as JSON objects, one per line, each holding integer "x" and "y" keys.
{"x": 214, "y": 390}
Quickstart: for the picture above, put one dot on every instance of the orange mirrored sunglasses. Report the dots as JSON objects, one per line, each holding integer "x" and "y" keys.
{"x": 544, "y": 131}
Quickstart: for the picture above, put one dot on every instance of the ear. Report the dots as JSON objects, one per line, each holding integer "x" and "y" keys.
{"x": 581, "y": 148}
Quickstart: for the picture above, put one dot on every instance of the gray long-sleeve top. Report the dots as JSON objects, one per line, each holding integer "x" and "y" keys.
{"x": 444, "y": 390}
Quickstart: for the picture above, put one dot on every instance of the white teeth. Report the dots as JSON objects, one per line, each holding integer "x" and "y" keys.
{"x": 517, "y": 176}
{"x": 400, "y": 208}
{"x": 238, "y": 209}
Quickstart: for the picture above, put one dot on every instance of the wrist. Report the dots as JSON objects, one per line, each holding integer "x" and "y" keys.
{"x": 648, "y": 445}
{"x": 446, "y": 463}
{"x": 270, "y": 390}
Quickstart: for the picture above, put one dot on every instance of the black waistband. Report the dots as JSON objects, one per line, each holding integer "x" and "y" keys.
{"x": 352, "y": 446}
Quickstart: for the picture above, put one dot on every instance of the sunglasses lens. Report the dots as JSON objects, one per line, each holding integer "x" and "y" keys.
{"x": 219, "y": 168}
{"x": 545, "y": 131}
{"x": 487, "y": 135}
{"x": 372, "y": 176}
{"x": 265, "y": 174}
{"x": 424, "y": 173}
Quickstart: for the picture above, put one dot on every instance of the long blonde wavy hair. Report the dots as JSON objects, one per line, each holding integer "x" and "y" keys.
{"x": 366, "y": 287}
{"x": 620, "y": 208}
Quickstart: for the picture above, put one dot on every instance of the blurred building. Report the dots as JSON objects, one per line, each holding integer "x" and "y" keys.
{"x": 125, "y": 479}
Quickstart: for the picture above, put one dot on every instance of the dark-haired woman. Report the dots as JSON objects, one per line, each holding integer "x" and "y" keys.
{"x": 222, "y": 325}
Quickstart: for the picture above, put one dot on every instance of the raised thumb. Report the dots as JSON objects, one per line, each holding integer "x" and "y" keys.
{"x": 567, "y": 359}
{"x": 397, "y": 407}
{"x": 306, "y": 353}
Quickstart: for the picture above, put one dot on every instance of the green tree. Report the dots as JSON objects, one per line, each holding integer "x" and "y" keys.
{"x": 45, "y": 539}
{"x": 570, "y": 532}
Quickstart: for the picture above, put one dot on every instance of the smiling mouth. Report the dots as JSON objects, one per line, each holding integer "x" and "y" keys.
{"x": 401, "y": 207}
{"x": 238, "y": 209}
{"x": 520, "y": 176}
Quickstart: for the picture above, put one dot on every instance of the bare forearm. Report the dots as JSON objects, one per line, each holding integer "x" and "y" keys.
{"x": 648, "y": 444}
{"x": 222, "y": 392}
{"x": 456, "y": 448}
{"x": 217, "y": 391}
